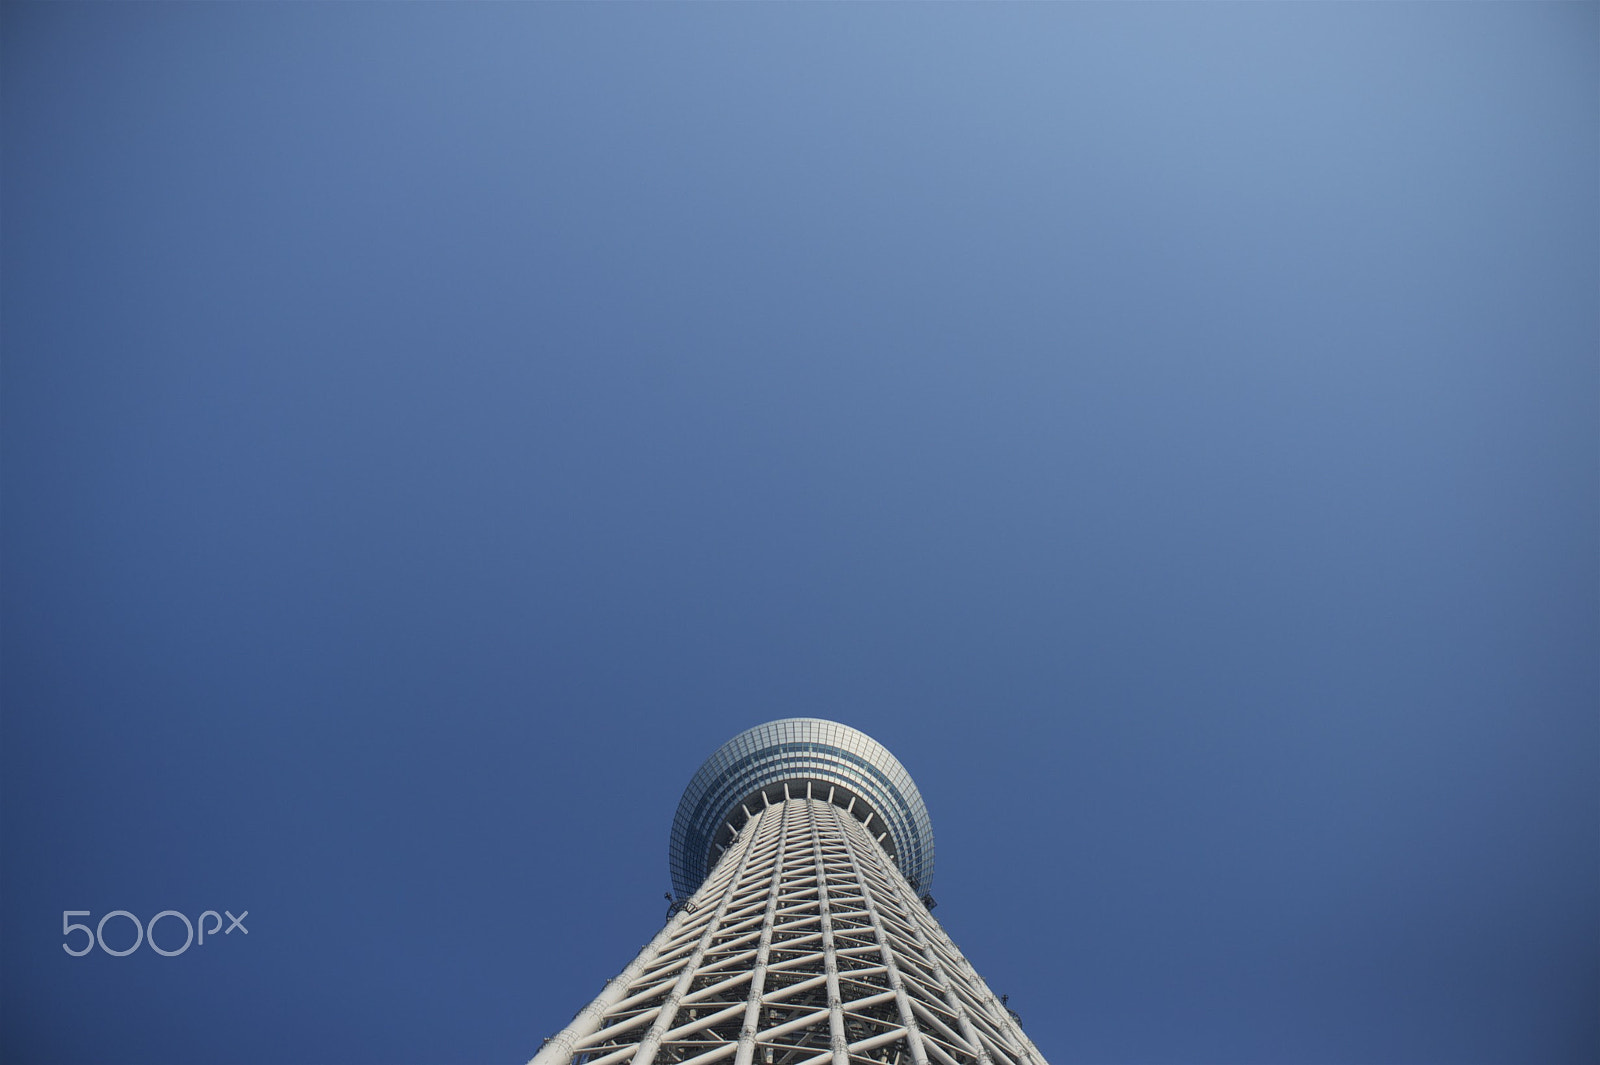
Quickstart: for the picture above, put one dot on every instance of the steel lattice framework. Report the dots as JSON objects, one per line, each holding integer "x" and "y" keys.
{"x": 806, "y": 945}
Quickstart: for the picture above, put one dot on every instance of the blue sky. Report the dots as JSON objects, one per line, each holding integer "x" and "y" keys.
{"x": 429, "y": 431}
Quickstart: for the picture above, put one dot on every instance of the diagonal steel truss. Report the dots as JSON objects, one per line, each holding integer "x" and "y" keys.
{"x": 805, "y": 946}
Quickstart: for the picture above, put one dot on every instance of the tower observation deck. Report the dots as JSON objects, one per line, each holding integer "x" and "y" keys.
{"x": 801, "y": 931}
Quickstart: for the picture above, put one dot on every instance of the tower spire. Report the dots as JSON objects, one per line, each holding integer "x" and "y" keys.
{"x": 801, "y": 856}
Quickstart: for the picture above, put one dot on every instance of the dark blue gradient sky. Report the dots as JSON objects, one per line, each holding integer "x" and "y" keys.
{"x": 429, "y": 431}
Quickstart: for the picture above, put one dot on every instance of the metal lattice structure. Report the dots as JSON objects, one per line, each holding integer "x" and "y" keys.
{"x": 806, "y": 944}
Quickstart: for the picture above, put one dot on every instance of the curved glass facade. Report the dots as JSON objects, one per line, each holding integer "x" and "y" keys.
{"x": 800, "y": 749}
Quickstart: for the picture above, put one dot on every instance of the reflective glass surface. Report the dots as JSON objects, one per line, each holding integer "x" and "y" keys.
{"x": 799, "y": 748}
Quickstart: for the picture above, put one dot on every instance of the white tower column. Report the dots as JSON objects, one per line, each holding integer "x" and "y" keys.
{"x": 807, "y": 944}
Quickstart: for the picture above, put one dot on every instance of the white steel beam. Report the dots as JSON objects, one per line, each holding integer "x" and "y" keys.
{"x": 807, "y": 946}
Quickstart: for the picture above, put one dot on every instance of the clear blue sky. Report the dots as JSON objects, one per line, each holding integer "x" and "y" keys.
{"x": 429, "y": 431}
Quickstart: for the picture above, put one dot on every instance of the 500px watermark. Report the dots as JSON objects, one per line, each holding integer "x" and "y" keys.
{"x": 145, "y": 932}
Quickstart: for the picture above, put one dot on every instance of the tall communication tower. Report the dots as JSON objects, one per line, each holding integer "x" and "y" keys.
{"x": 801, "y": 931}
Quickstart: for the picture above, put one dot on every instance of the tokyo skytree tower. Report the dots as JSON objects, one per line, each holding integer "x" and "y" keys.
{"x": 801, "y": 933}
